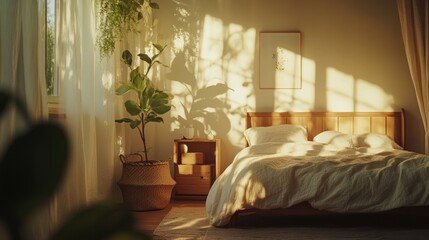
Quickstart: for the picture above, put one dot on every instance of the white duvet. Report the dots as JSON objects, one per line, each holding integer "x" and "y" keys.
{"x": 280, "y": 175}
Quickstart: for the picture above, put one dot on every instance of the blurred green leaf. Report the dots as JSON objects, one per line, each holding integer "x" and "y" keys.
{"x": 5, "y": 100}
{"x": 103, "y": 220}
{"x": 31, "y": 169}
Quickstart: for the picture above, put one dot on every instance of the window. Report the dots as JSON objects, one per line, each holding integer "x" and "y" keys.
{"x": 50, "y": 55}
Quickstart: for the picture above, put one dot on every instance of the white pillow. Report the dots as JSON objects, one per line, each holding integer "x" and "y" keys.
{"x": 374, "y": 140}
{"x": 278, "y": 133}
{"x": 338, "y": 139}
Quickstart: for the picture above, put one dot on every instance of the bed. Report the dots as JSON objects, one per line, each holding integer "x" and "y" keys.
{"x": 310, "y": 163}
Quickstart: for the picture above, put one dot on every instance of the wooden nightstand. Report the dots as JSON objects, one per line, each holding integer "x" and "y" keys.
{"x": 196, "y": 166}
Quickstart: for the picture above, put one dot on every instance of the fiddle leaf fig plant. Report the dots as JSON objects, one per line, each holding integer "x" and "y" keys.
{"x": 149, "y": 102}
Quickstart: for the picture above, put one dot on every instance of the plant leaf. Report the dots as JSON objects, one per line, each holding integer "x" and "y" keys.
{"x": 139, "y": 83}
{"x": 154, "y": 119}
{"x": 145, "y": 57}
{"x": 159, "y": 47}
{"x": 32, "y": 169}
{"x": 134, "y": 73}
{"x": 160, "y": 63}
{"x": 123, "y": 120}
{"x": 127, "y": 57}
{"x": 147, "y": 96}
{"x": 103, "y": 220}
{"x": 161, "y": 109}
{"x": 132, "y": 107}
{"x": 135, "y": 123}
{"x": 5, "y": 99}
{"x": 123, "y": 88}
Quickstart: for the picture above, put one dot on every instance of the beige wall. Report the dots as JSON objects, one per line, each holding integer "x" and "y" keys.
{"x": 353, "y": 60}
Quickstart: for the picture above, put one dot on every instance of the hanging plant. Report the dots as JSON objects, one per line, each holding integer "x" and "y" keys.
{"x": 117, "y": 18}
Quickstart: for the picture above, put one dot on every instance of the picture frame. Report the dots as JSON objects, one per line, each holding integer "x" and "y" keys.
{"x": 280, "y": 60}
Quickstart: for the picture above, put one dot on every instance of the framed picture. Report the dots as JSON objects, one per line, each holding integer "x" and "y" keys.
{"x": 280, "y": 60}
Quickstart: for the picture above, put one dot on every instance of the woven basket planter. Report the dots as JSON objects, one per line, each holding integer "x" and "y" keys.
{"x": 146, "y": 185}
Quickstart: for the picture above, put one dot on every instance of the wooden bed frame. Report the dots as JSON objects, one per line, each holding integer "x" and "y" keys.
{"x": 389, "y": 123}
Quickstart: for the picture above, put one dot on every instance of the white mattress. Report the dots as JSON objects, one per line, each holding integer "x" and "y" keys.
{"x": 280, "y": 175}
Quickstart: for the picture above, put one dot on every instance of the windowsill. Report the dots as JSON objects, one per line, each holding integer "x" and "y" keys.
{"x": 56, "y": 111}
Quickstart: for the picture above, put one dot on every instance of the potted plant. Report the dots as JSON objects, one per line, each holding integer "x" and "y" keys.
{"x": 145, "y": 184}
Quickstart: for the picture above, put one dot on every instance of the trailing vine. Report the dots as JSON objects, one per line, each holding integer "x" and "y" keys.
{"x": 117, "y": 18}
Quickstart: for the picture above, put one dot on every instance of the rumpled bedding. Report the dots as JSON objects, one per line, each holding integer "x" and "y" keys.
{"x": 280, "y": 175}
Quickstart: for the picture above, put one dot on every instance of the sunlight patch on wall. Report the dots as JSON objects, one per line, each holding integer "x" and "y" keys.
{"x": 238, "y": 66}
{"x": 372, "y": 97}
{"x": 299, "y": 99}
{"x": 340, "y": 90}
{"x": 211, "y": 48}
{"x": 345, "y": 93}
{"x": 227, "y": 55}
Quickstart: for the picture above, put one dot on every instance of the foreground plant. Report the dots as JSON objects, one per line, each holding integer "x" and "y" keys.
{"x": 31, "y": 170}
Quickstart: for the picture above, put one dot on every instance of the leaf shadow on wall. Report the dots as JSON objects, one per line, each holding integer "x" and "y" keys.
{"x": 203, "y": 108}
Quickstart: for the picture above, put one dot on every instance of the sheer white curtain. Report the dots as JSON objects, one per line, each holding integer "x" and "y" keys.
{"x": 22, "y": 64}
{"x": 22, "y": 60}
{"x": 87, "y": 86}
{"x": 87, "y": 92}
{"x": 414, "y": 18}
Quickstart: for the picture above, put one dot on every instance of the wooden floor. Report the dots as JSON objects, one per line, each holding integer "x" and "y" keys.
{"x": 149, "y": 220}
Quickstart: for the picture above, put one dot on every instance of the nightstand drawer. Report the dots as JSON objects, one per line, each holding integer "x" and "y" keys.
{"x": 193, "y": 158}
{"x": 192, "y": 189}
{"x": 194, "y": 180}
{"x": 194, "y": 170}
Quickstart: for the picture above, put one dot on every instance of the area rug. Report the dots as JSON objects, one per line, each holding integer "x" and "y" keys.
{"x": 183, "y": 223}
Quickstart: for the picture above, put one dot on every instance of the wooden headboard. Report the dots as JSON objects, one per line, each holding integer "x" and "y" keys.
{"x": 389, "y": 123}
